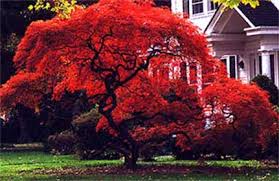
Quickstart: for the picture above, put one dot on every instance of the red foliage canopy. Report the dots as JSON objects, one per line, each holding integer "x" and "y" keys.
{"x": 243, "y": 110}
{"x": 231, "y": 100}
{"x": 100, "y": 49}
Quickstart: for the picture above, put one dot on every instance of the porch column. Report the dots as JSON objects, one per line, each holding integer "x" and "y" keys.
{"x": 266, "y": 64}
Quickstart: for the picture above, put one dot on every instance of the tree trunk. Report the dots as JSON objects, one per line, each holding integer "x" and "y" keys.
{"x": 24, "y": 132}
{"x": 130, "y": 161}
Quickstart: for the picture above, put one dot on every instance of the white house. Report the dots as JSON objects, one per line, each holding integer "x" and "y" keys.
{"x": 245, "y": 39}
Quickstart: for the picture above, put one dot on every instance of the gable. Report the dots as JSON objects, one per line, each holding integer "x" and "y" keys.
{"x": 230, "y": 22}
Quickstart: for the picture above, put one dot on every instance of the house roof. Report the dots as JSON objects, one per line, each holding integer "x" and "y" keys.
{"x": 264, "y": 15}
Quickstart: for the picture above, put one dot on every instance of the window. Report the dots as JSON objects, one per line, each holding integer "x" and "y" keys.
{"x": 193, "y": 74}
{"x": 197, "y": 6}
{"x": 230, "y": 62}
{"x": 272, "y": 67}
{"x": 255, "y": 68}
{"x": 183, "y": 71}
{"x": 224, "y": 61}
{"x": 186, "y": 6}
{"x": 164, "y": 71}
{"x": 154, "y": 72}
{"x": 212, "y": 5}
{"x": 260, "y": 64}
{"x": 232, "y": 67}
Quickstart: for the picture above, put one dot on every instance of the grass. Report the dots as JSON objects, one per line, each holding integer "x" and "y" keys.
{"x": 14, "y": 163}
{"x": 20, "y": 166}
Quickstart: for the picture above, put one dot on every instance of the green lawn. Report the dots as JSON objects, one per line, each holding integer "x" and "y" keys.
{"x": 20, "y": 166}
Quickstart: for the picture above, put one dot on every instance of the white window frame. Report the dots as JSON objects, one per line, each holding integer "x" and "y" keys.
{"x": 186, "y": 6}
{"x": 215, "y": 5}
{"x": 260, "y": 65}
{"x": 191, "y": 7}
{"x": 274, "y": 66}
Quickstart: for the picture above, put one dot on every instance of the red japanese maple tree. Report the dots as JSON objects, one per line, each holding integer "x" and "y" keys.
{"x": 242, "y": 115}
{"x": 110, "y": 50}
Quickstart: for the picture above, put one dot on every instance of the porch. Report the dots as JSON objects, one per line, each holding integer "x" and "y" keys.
{"x": 246, "y": 50}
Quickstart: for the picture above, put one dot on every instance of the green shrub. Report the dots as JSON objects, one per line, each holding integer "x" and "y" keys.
{"x": 90, "y": 144}
{"x": 82, "y": 139}
{"x": 266, "y": 84}
{"x": 62, "y": 143}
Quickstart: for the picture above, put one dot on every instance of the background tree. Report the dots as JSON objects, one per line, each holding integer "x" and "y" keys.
{"x": 63, "y": 8}
{"x": 234, "y": 3}
{"x": 11, "y": 33}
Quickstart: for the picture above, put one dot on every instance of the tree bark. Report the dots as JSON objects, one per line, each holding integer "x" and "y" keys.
{"x": 130, "y": 161}
{"x": 24, "y": 132}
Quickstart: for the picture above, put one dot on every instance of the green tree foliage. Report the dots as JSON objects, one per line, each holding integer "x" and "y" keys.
{"x": 234, "y": 3}
{"x": 63, "y": 8}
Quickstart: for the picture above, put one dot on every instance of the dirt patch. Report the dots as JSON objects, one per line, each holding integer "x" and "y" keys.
{"x": 144, "y": 170}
